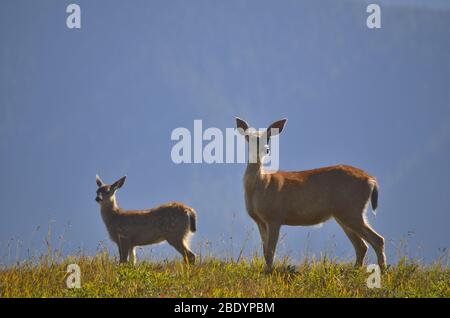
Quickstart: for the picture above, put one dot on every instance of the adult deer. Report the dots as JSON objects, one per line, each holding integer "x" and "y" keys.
{"x": 307, "y": 197}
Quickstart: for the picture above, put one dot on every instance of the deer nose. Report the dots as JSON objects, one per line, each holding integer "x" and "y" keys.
{"x": 98, "y": 199}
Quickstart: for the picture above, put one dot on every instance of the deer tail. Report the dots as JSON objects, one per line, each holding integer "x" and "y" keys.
{"x": 374, "y": 197}
{"x": 192, "y": 220}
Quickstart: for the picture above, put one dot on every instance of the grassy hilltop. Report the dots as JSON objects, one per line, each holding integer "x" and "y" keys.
{"x": 102, "y": 276}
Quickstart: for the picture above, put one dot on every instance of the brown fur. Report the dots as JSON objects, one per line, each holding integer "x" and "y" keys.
{"x": 308, "y": 198}
{"x": 172, "y": 222}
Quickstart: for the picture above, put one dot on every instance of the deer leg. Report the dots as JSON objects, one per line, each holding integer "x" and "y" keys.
{"x": 132, "y": 255}
{"x": 377, "y": 242}
{"x": 359, "y": 245}
{"x": 190, "y": 255}
{"x": 184, "y": 250}
{"x": 362, "y": 229}
{"x": 263, "y": 234}
{"x": 120, "y": 252}
{"x": 123, "y": 249}
{"x": 273, "y": 232}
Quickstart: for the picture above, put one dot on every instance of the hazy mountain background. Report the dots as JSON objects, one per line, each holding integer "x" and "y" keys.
{"x": 105, "y": 99}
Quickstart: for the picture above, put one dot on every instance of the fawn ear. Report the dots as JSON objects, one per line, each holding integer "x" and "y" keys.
{"x": 241, "y": 125}
{"x": 276, "y": 128}
{"x": 98, "y": 180}
{"x": 119, "y": 183}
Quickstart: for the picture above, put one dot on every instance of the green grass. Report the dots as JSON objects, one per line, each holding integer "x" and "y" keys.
{"x": 102, "y": 276}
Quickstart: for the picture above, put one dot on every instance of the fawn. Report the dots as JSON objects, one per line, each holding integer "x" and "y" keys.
{"x": 308, "y": 198}
{"x": 172, "y": 222}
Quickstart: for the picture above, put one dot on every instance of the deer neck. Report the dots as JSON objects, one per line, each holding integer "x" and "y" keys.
{"x": 109, "y": 208}
{"x": 253, "y": 174}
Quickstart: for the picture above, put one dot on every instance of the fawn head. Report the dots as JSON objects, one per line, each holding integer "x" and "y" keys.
{"x": 259, "y": 141}
{"x": 106, "y": 192}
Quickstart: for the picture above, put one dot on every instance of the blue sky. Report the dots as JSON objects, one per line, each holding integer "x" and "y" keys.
{"x": 105, "y": 99}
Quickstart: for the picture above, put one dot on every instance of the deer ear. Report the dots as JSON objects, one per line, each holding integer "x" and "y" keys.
{"x": 241, "y": 125}
{"x": 98, "y": 180}
{"x": 276, "y": 128}
{"x": 119, "y": 183}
